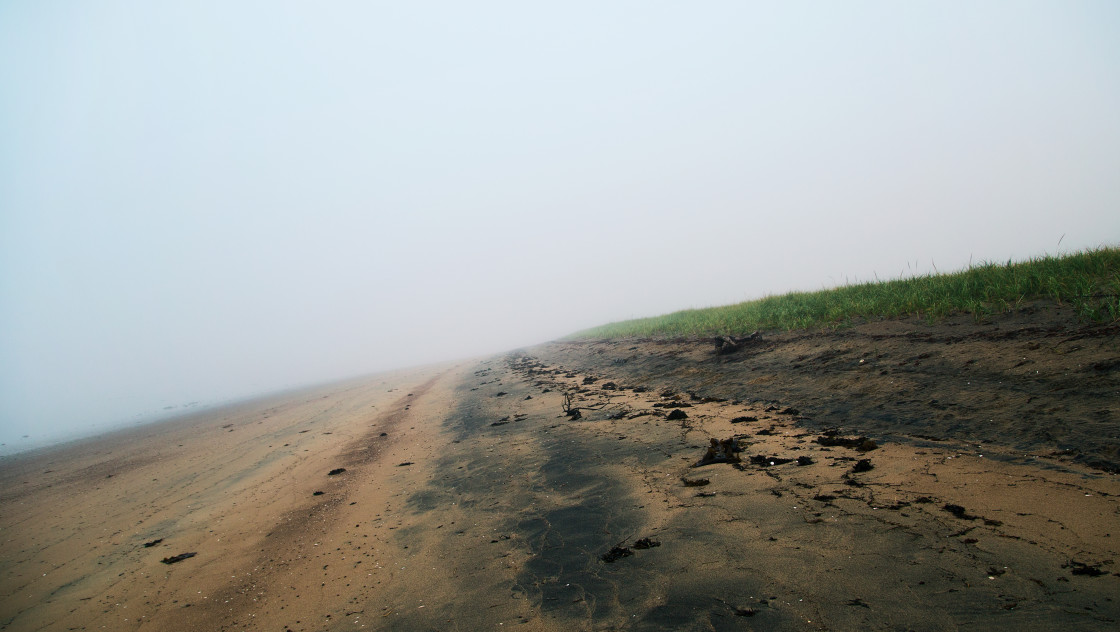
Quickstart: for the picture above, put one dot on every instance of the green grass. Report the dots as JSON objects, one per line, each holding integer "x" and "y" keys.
{"x": 1088, "y": 281}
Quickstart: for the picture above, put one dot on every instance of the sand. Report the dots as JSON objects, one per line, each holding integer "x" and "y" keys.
{"x": 470, "y": 500}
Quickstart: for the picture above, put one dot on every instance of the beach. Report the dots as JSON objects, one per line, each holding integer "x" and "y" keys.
{"x": 891, "y": 475}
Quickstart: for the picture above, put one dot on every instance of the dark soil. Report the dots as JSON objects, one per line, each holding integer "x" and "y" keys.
{"x": 1036, "y": 380}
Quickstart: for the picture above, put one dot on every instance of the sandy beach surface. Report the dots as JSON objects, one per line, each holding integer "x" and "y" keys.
{"x": 889, "y": 476}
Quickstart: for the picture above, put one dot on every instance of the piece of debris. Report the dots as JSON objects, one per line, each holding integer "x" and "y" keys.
{"x": 959, "y": 512}
{"x": 148, "y": 545}
{"x": 862, "y": 465}
{"x": 615, "y": 554}
{"x": 720, "y": 451}
{"x": 499, "y": 423}
{"x": 863, "y": 444}
{"x": 646, "y": 543}
{"x": 695, "y": 482}
{"x": 1081, "y": 568}
{"x": 406, "y": 463}
{"x": 731, "y": 344}
{"x": 745, "y": 612}
{"x": 336, "y": 471}
{"x": 569, "y": 407}
{"x": 178, "y": 558}
{"x": 317, "y": 493}
{"x": 768, "y": 461}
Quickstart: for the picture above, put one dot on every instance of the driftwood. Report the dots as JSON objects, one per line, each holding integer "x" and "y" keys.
{"x": 720, "y": 451}
{"x": 731, "y": 344}
{"x": 571, "y": 410}
{"x": 174, "y": 559}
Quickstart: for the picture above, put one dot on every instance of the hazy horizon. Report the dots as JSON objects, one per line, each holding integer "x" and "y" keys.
{"x": 214, "y": 201}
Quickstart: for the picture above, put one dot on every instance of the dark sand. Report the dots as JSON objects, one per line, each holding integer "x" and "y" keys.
{"x": 991, "y": 500}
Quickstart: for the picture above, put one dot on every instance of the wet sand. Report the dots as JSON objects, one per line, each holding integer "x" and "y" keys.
{"x": 471, "y": 500}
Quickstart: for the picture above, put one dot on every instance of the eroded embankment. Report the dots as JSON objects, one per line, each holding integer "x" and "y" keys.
{"x": 1036, "y": 380}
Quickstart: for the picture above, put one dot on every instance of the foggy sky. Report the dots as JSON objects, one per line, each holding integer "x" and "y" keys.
{"x": 207, "y": 200}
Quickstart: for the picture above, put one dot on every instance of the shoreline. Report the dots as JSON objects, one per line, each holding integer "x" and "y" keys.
{"x": 462, "y": 497}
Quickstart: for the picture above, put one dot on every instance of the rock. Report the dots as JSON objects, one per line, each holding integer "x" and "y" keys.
{"x": 336, "y": 471}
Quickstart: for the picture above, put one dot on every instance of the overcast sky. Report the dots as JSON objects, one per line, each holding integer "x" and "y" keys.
{"x": 206, "y": 200}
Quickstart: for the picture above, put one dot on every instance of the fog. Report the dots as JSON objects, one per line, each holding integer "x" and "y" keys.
{"x": 202, "y": 201}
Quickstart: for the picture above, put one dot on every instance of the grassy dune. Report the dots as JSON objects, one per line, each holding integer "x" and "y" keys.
{"x": 1088, "y": 281}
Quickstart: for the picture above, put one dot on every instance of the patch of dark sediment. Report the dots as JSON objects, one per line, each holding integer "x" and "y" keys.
{"x": 550, "y": 493}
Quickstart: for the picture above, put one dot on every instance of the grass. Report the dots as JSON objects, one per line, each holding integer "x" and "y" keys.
{"x": 1088, "y": 281}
